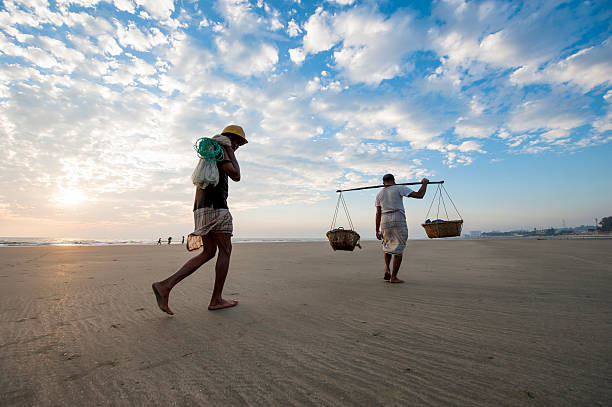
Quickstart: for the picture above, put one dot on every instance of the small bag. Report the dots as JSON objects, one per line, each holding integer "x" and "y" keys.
{"x": 205, "y": 173}
{"x": 210, "y": 152}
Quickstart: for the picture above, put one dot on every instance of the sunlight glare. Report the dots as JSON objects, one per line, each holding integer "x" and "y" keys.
{"x": 69, "y": 197}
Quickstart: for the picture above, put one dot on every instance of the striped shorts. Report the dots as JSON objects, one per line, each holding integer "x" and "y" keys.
{"x": 394, "y": 231}
{"x": 209, "y": 220}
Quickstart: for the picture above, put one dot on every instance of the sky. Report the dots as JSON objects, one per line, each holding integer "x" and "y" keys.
{"x": 508, "y": 102}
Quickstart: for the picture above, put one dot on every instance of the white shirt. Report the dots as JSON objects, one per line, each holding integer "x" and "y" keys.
{"x": 390, "y": 198}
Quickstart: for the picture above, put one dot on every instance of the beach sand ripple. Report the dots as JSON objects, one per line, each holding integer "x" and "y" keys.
{"x": 477, "y": 323}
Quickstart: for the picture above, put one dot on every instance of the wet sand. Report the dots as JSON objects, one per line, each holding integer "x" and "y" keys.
{"x": 477, "y": 323}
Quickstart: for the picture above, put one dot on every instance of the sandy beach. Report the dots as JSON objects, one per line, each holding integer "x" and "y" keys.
{"x": 477, "y": 323}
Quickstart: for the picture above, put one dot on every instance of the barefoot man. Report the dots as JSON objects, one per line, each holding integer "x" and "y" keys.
{"x": 391, "y": 225}
{"x": 213, "y": 229}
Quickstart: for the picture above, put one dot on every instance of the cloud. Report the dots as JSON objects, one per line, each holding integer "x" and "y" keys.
{"x": 297, "y": 55}
{"x": 125, "y": 5}
{"x": 252, "y": 59}
{"x": 293, "y": 29}
{"x": 368, "y": 47}
{"x": 131, "y": 36}
{"x": 32, "y": 54}
{"x": 587, "y": 68}
{"x": 342, "y": 2}
{"x": 320, "y": 35}
{"x": 159, "y": 9}
{"x": 236, "y": 50}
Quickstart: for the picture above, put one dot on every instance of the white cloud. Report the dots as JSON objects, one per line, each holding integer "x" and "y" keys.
{"x": 370, "y": 46}
{"x": 470, "y": 145}
{"x": 34, "y": 55}
{"x": 130, "y": 73}
{"x": 131, "y": 36}
{"x": 588, "y": 68}
{"x": 543, "y": 114}
{"x": 159, "y": 9}
{"x": 70, "y": 57}
{"x": 236, "y": 49}
{"x": 604, "y": 123}
{"x": 204, "y": 23}
{"x": 373, "y": 46}
{"x": 297, "y": 55}
{"x": 252, "y": 59}
{"x": 293, "y": 29}
{"x": 108, "y": 45}
{"x": 125, "y": 5}
{"x": 474, "y": 129}
{"x": 320, "y": 35}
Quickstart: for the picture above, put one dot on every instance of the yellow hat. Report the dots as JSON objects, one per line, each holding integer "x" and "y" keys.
{"x": 236, "y": 130}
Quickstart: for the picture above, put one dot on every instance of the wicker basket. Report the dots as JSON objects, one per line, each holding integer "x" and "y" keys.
{"x": 341, "y": 239}
{"x": 446, "y": 228}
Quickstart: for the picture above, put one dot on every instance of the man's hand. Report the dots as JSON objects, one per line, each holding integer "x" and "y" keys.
{"x": 378, "y": 235}
{"x": 424, "y": 181}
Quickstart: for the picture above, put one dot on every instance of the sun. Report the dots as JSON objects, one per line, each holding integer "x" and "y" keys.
{"x": 69, "y": 197}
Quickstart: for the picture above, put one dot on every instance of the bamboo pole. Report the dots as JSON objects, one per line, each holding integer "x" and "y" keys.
{"x": 382, "y": 186}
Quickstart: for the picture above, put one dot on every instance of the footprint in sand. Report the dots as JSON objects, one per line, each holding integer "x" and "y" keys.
{"x": 70, "y": 356}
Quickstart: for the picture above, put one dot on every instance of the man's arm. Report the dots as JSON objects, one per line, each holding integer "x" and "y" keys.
{"x": 378, "y": 212}
{"x": 421, "y": 192}
{"x": 231, "y": 168}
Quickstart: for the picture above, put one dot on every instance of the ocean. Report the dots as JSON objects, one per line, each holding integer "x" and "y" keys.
{"x": 53, "y": 241}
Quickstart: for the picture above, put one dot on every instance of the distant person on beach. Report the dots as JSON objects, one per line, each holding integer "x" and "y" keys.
{"x": 159, "y": 241}
{"x": 169, "y": 240}
{"x": 391, "y": 225}
{"x": 183, "y": 241}
{"x": 213, "y": 229}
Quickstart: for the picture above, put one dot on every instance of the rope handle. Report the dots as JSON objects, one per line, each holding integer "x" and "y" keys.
{"x": 438, "y": 194}
{"x": 348, "y": 216}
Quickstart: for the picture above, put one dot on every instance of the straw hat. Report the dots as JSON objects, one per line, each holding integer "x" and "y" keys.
{"x": 236, "y": 130}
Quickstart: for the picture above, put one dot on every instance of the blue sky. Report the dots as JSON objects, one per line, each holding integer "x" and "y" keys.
{"x": 101, "y": 101}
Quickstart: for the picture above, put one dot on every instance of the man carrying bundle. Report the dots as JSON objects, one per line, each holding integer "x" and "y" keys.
{"x": 391, "y": 225}
{"x": 213, "y": 228}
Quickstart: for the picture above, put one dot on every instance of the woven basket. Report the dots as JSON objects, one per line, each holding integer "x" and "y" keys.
{"x": 447, "y": 228}
{"x": 341, "y": 239}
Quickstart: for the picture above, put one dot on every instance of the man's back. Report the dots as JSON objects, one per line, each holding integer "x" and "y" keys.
{"x": 390, "y": 198}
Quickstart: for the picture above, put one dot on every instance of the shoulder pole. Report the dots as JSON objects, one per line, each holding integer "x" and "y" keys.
{"x": 382, "y": 186}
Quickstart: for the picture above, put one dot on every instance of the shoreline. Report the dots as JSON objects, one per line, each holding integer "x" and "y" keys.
{"x": 88, "y": 242}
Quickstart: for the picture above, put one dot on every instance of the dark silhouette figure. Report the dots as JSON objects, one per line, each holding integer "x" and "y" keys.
{"x": 214, "y": 223}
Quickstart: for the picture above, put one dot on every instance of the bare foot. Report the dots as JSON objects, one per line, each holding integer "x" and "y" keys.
{"x": 222, "y": 304}
{"x": 161, "y": 295}
{"x": 396, "y": 280}
{"x": 387, "y": 276}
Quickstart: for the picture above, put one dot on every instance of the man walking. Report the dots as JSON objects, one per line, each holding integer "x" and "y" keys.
{"x": 213, "y": 229}
{"x": 391, "y": 225}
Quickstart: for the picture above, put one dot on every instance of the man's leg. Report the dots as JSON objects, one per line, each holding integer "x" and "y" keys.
{"x": 387, "y": 263}
{"x": 397, "y": 262}
{"x": 224, "y": 243}
{"x": 162, "y": 289}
